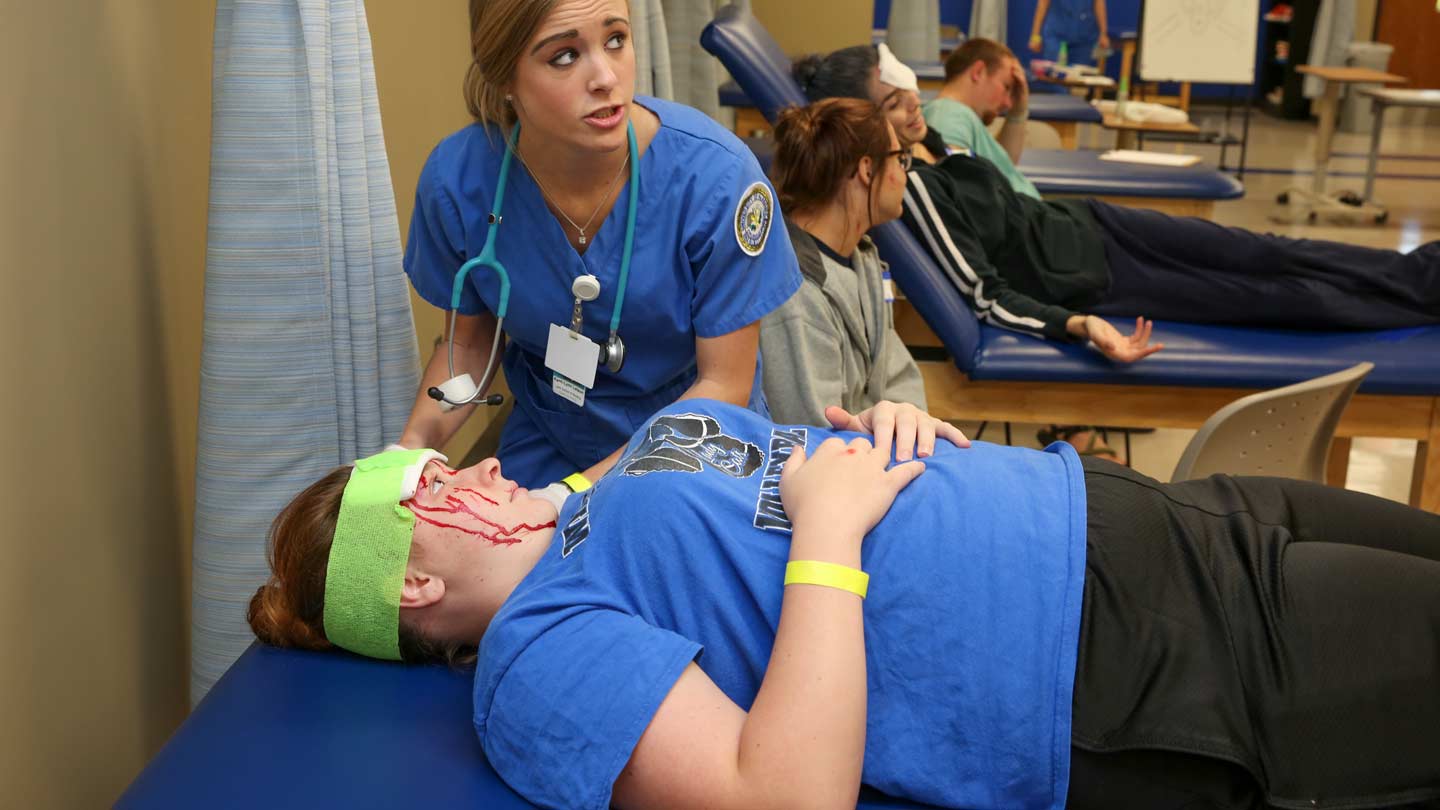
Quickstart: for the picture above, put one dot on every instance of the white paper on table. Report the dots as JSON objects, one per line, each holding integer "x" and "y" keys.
{"x": 1149, "y": 158}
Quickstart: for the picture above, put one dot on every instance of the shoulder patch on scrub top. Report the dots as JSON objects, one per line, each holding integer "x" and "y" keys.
{"x": 753, "y": 216}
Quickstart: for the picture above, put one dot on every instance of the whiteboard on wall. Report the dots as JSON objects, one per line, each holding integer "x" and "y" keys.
{"x": 1199, "y": 41}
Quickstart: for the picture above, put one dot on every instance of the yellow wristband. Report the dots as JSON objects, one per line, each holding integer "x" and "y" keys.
{"x": 577, "y": 482}
{"x": 1036, "y": 38}
{"x": 814, "y": 572}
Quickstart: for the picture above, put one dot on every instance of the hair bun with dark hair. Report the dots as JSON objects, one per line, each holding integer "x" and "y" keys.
{"x": 805, "y": 69}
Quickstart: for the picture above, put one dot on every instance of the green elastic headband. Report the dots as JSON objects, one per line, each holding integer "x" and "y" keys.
{"x": 368, "y": 555}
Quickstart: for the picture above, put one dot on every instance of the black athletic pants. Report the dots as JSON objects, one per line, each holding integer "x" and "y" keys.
{"x": 1277, "y": 637}
{"x": 1195, "y": 271}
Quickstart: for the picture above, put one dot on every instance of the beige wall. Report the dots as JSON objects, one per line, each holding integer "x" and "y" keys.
{"x": 104, "y": 150}
{"x": 813, "y": 26}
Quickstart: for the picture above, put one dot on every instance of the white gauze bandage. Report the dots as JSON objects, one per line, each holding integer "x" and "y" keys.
{"x": 894, "y": 72}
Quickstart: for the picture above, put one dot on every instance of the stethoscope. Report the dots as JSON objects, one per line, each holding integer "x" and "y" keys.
{"x": 462, "y": 390}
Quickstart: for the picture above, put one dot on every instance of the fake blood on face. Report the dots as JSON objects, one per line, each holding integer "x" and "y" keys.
{"x": 499, "y": 534}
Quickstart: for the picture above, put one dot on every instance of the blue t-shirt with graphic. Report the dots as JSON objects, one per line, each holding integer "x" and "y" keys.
{"x": 678, "y": 555}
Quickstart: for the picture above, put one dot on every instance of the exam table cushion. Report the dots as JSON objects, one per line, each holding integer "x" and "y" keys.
{"x": 291, "y": 728}
{"x": 1082, "y": 172}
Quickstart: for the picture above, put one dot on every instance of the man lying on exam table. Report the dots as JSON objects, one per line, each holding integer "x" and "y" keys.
{"x": 735, "y": 616}
{"x": 1049, "y": 267}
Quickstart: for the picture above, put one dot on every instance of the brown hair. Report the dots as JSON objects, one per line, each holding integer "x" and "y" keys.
{"x": 819, "y": 147}
{"x": 979, "y": 49}
{"x": 499, "y": 32}
{"x": 289, "y": 609}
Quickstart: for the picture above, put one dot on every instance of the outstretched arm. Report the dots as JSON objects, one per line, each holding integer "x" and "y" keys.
{"x": 1037, "y": 43}
{"x": 1104, "y": 27}
{"x": 950, "y": 237}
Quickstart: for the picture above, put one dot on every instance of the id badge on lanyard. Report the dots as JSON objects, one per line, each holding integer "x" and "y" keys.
{"x": 571, "y": 357}
{"x": 888, "y": 286}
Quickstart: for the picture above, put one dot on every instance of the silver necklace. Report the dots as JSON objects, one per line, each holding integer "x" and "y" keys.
{"x": 581, "y": 228}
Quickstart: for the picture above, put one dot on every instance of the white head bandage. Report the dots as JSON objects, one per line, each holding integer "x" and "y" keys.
{"x": 894, "y": 72}
{"x": 410, "y": 478}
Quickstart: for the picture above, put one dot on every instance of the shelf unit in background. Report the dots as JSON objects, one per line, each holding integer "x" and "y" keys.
{"x": 1274, "y": 72}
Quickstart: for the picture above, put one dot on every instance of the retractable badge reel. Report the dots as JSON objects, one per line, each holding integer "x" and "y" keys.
{"x": 573, "y": 357}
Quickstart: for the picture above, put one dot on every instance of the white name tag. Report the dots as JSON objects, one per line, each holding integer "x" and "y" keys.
{"x": 572, "y": 355}
{"x": 567, "y": 388}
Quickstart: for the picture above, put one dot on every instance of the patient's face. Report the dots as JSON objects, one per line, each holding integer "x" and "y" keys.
{"x": 476, "y": 505}
{"x": 902, "y": 110}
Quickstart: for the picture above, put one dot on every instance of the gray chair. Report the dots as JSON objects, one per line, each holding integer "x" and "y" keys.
{"x": 1282, "y": 432}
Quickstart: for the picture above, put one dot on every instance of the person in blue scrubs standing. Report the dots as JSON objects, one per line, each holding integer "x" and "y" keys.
{"x": 1079, "y": 24}
{"x": 711, "y": 256}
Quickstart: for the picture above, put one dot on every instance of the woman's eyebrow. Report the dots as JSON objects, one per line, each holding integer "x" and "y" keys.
{"x": 573, "y": 33}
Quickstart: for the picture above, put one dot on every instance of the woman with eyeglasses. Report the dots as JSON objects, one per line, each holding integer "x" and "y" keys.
{"x": 839, "y": 170}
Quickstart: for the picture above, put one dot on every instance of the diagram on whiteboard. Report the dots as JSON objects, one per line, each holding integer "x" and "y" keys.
{"x": 1195, "y": 18}
{"x": 1199, "y": 40}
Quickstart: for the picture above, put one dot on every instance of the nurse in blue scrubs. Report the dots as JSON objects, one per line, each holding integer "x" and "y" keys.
{"x": 1080, "y": 24}
{"x": 710, "y": 253}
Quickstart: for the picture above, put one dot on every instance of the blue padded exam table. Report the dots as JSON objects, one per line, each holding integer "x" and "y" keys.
{"x": 762, "y": 73}
{"x": 1000, "y": 375}
{"x": 296, "y": 729}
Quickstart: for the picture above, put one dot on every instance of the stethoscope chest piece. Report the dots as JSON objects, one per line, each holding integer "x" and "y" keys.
{"x": 612, "y": 354}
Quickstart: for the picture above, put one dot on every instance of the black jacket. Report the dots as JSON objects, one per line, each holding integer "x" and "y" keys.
{"x": 1024, "y": 264}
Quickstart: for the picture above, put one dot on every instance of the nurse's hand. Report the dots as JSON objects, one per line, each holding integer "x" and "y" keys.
{"x": 844, "y": 489}
{"x": 909, "y": 430}
{"x": 1118, "y": 347}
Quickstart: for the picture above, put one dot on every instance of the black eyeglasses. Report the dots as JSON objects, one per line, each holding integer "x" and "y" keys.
{"x": 905, "y": 158}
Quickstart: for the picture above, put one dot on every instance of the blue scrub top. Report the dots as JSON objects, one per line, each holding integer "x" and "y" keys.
{"x": 678, "y": 554}
{"x": 705, "y": 208}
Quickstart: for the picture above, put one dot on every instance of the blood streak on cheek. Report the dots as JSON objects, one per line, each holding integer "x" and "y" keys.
{"x": 501, "y": 534}
{"x": 477, "y": 493}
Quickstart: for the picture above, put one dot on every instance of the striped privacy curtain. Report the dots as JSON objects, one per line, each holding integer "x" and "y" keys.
{"x": 309, "y": 358}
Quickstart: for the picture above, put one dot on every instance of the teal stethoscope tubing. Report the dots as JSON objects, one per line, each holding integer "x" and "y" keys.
{"x": 487, "y": 259}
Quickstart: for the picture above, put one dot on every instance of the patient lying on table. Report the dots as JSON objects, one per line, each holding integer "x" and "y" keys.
{"x": 744, "y": 614}
{"x": 1047, "y": 267}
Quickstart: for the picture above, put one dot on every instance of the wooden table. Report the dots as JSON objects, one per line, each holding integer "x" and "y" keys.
{"x": 1333, "y": 78}
{"x": 1129, "y": 132}
{"x": 1382, "y": 97}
